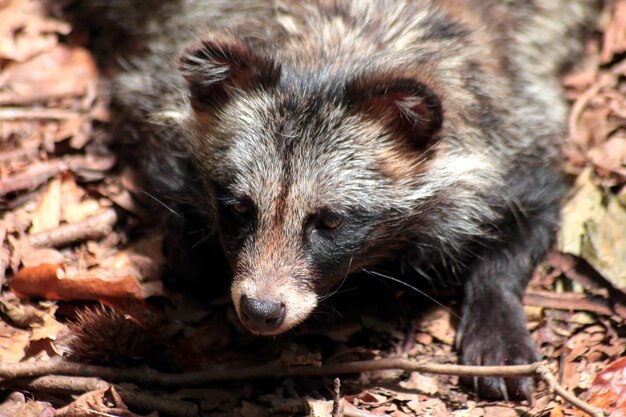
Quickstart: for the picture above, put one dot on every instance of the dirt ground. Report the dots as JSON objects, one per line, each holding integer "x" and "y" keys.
{"x": 81, "y": 264}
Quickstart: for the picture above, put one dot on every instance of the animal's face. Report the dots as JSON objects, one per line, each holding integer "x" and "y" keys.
{"x": 298, "y": 196}
{"x": 304, "y": 180}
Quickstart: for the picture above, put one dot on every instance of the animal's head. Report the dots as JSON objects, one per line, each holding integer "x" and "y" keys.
{"x": 308, "y": 175}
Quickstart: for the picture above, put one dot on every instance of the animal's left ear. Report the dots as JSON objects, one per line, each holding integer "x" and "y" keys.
{"x": 404, "y": 104}
{"x": 220, "y": 65}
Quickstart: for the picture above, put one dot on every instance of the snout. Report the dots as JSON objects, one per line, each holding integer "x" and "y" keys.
{"x": 269, "y": 308}
{"x": 262, "y": 316}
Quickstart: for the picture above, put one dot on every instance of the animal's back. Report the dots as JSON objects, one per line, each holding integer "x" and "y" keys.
{"x": 527, "y": 43}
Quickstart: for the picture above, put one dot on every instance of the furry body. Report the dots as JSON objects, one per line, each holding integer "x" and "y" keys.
{"x": 321, "y": 137}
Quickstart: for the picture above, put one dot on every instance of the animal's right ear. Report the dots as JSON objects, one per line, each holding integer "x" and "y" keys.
{"x": 219, "y": 66}
{"x": 405, "y": 102}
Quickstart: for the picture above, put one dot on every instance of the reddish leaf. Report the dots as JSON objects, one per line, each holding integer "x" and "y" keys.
{"x": 50, "y": 281}
{"x": 609, "y": 388}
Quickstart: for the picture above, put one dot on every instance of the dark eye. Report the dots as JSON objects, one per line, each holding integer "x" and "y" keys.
{"x": 328, "y": 221}
{"x": 242, "y": 208}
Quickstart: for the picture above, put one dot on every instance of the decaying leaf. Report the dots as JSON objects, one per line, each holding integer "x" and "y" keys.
{"x": 48, "y": 214}
{"x": 437, "y": 323}
{"x": 16, "y": 405}
{"x": 585, "y": 204}
{"x": 37, "y": 256}
{"x": 51, "y": 281}
{"x": 102, "y": 402}
{"x": 13, "y": 342}
{"x": 25, "y": 31}
{"x": 59, "y": 72}
{"x": 319, "y": 408}
{"x": 615, "y": 34}
{"x": 593, "y": 227}
{"x": 425, "y": 384}
{"x": 76, "y": 207}
{"x": 610, "y": 155}
{"x": 605, "y": 247}
{"x": 609, "y": 389}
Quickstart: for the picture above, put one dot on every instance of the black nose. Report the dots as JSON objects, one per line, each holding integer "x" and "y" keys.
{"x": 261, "y": 315}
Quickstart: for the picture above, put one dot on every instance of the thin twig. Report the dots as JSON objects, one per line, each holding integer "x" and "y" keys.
{"x": 337, "y": 412}
{"x": 23, "y": 152}
{"x": 31, "y": 178}
{"x": 17, "y": 113}
{"x": 39, "y": 173}
{"x": 152, "y": 378}
{"x": 545, "y": 374}
{"x": 78, "y": 385}
{"x": 95, "y": 227}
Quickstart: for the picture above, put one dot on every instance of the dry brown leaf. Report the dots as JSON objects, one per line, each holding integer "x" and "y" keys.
{"x": 437, "y": 323}
{"x": 76, "y": 207}
{"x": 48, "y": 214}
{"x": 37, "y": 256}
{"x": 610, "y": 155}
{"x": 579, "y": 80}
{"x": 59, "y": 72}
{"x": 13, "y": 343}
{"x": 593, "y": 127}
{"x": 319, "y": 408}
{"x": 615, "y": 33}
{"x": 102, "y": 402}
{"x": 35, "y": 409}
{"x": 435, "y": 407}
{"x": 51, "y": 282}
{"x": 49, "y": 329}
{"x": 12, "y": 404}
{"x": 557, "y": 411}
{"x": 23, "y": 313}
{"x": 144, "y": 259}
{"x": 25, "y": 31}
{"x": 419, "y": 382}
{"x": 605, "y": 244}
{"x": 367, "y": 397}
{"x": 68, "y": 127}
{"x": 585, "y": 204}
{"x": 608, "y": 390}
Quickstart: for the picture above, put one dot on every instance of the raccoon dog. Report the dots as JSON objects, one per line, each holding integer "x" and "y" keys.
{"x": 323, "y": 137}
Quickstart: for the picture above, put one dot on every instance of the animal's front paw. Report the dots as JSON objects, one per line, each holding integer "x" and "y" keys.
{"x": 493, "y": 344}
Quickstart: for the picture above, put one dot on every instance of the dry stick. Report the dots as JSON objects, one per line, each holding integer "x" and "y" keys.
{"x": 550, "y": 379}
{"x": 150, "y": 377}
{"x": 16, "y": 113}
{"x": 19, "y": 153}
{"x": 31, "y": 178}
{"x": 95, "y": 227}
{"x": 78, "y": 385}
{"x": 40, "y": 172}
{"x": 337, "y": 412}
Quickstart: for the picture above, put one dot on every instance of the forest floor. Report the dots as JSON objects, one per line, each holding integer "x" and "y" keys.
{"x": 76, "y": 235}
